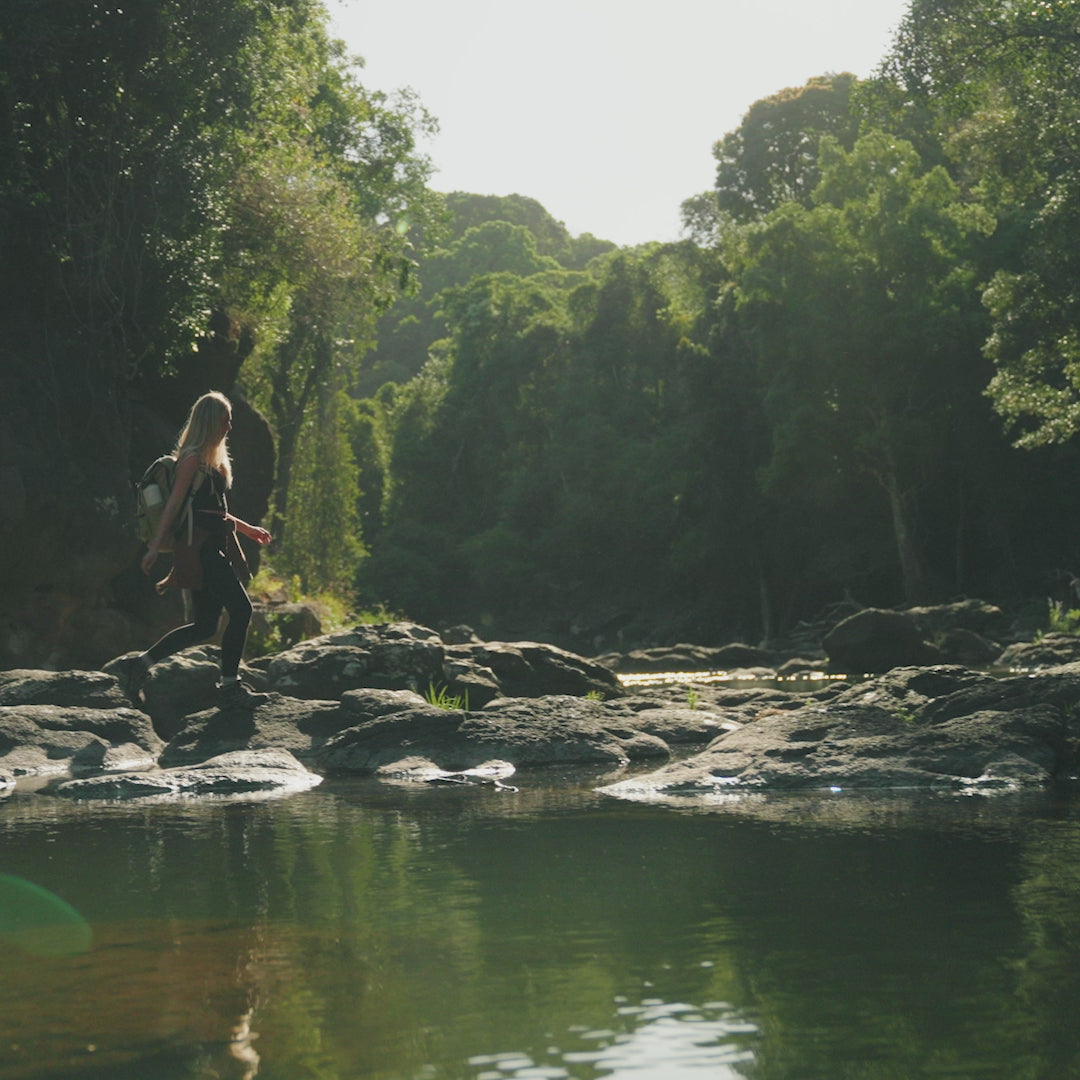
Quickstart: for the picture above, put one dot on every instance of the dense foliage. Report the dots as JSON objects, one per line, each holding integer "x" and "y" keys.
{"x": 480, "y": 417}
{"x": 716, "y": 438}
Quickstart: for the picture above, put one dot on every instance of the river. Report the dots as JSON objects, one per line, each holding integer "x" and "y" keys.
{"x": 364, "y": 930}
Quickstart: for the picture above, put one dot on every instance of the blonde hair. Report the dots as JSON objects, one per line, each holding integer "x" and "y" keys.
{"x": 200, "y": 435}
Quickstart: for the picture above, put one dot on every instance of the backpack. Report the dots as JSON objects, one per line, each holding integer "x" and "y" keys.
{"x": 152, "y": 493}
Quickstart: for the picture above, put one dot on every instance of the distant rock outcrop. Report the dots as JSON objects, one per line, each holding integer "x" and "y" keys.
{"x": 927, "y": 728}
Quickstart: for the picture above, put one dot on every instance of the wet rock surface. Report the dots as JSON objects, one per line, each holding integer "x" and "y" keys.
{"x": 939, "y": 727}
{"x": 242, "y": 772}
{"x": 366, "y": 700}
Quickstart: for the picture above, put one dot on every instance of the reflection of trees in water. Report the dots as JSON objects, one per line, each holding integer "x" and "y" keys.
{"x": 874, "y": 954}
{"x": 1048, "y": 899}
{"x": 335, "y": 936}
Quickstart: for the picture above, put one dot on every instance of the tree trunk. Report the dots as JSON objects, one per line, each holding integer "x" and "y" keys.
{"x": 912, "y": 568}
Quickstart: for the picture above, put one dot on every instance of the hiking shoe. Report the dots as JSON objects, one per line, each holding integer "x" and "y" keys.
{"x": 239, "y": 693}
{"x": 131, "y": 673}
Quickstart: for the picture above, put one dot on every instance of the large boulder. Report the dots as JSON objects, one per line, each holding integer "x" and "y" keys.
{"x": 182, "y": 684}
{"x": 531, "y": 669}
{"x": 394, "y": 656}
{"x": 242, "y": 773}
{"x": 43, "y": 739}
{"x": 525, "y": 732}
{"x": 405, "y": 656}
{"x": 875, "y": 640}
{"x": 945, "y": 727}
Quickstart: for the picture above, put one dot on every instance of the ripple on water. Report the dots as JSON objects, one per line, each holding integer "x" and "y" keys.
{"x": 661, "y": 1040}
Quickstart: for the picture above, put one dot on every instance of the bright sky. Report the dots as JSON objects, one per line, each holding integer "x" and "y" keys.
{"x": 603, "y": 110}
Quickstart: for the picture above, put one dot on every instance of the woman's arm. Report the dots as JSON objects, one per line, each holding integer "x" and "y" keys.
{"x": 252, "y": 532}
{"x": 185, "y": 475}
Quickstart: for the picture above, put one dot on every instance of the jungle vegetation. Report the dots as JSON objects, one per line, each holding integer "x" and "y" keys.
{"x": 858, "y": 375}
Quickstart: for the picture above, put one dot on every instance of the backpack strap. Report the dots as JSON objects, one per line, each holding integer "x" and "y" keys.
{"x": 196, "y": 483}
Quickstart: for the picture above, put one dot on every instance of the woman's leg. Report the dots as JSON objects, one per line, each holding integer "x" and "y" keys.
{"x": 218, "y": 572}
{"x": 207, "y": 603}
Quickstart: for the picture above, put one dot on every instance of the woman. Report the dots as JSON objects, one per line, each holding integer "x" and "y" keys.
{"x": 201, "y": 559}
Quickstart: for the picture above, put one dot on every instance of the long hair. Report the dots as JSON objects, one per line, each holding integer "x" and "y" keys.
{"x": 201, "y": 434}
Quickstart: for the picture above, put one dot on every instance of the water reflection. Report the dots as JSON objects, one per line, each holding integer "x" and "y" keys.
{"x": 367, "y": 931}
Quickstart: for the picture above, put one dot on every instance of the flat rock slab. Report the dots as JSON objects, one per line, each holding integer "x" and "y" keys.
{"x": 245, "y": 772}
{"x": 44, "y": 739}
{"x": 77, "y": 689}
{"x": 914, "y": 728}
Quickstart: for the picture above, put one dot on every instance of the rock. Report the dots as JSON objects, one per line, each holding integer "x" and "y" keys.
{"x": 183, "y": 684}
{"x": 43, "y": 739}
{"x": 945, "y": 727}
{"x": 679, "y": 725}
{"x": 419, "y": 770}
{"x": 677, "y": 658}
{"x": 530, "y": 669}
{"x": 526, "y": 732}
{"x": 394, "y": 656}
{"x": 298, "y": 726}
{"x": 1051, "y": 650}
{"x": 960, "y": 646}
{"x": 875, "y": 640}
{"x": 79, "y": 689}
{"x": 662, "y": 658}
{"x": 459, "y": 635}
{"x": 357, "y": 706}
{"x": 284, "y": 624}
{"x": 737, "y": 655}
{"x": 475, "y": 684}
{"x": 800, "y": 665}
{"x": 243, "y": 772}
{"x": 7, "y": 782}
{"x": 976, "y": 616}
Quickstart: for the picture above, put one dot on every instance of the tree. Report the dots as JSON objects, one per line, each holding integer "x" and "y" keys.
{"x": 859, "y": 310}
{"x": 320, "y": 244}
{"x": 771, "y": 158}
{"x": 999, "y": 79}
{"x": 120, "y": 128}
{"x": 489, "y": 235}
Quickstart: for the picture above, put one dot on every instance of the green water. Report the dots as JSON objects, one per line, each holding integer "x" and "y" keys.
{"x": 370, "y": 931}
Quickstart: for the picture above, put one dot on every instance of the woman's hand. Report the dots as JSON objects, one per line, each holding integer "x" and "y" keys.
{"x": 149, "y": 559}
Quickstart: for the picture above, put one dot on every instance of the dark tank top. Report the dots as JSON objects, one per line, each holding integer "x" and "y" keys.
{"x": 210, "y": 505}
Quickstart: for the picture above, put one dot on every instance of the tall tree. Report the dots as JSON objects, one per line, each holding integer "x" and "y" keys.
{"x": 858, "y": 309}
{"x": 321, "y": 240}
{"x": 771, "y": 158}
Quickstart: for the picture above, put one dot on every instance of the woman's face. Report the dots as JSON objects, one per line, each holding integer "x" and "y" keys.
{"x": 226, "y": 424}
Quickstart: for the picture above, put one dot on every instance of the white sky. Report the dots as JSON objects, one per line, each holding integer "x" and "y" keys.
{"x": 603, "y": 110}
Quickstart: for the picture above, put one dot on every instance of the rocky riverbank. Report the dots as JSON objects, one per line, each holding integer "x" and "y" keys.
{"x": 398, "y": 701}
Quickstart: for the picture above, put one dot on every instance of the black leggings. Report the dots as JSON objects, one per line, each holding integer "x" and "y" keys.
{"x": 221, "y": 589}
